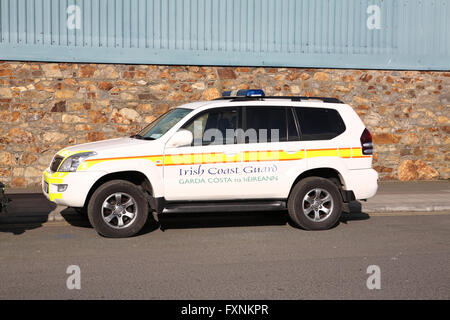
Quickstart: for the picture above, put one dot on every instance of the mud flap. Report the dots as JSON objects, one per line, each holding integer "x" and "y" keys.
{"x": 4, "y": 200}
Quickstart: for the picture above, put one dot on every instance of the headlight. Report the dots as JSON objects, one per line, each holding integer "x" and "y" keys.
{"x": 71, "y": 163}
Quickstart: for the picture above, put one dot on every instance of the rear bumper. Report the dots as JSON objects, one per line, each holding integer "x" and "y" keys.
{"x": 363, "y": 183}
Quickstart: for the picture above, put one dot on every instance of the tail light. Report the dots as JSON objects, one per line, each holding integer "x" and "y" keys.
{"x": 366, "y": 142}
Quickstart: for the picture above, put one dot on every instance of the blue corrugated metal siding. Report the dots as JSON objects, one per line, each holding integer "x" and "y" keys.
{"x": 412, "y": 34}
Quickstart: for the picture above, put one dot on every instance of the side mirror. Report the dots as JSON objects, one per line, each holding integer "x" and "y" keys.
{"x": 181, "y": 138}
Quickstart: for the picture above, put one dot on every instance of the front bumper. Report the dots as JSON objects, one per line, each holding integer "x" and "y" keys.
{"x": 78, "y": 185}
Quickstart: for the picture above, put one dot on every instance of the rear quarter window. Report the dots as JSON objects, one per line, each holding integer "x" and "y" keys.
{"x": 319, "y": 123}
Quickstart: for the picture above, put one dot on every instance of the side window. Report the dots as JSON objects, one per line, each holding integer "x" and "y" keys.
{"x": 265, "y": 124}
{"x": 319, "y": 123}
{"x": 210, "y": 127}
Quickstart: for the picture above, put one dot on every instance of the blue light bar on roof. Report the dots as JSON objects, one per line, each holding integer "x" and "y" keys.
{"x": 244, "y": 93}
{"x": 251, "y": 93}
{"x": 227, "y": 93}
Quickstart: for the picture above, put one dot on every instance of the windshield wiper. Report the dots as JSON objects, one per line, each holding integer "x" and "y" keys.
{"x": 138, "y": 136}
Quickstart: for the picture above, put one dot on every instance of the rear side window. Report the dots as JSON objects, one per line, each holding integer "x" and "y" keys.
{"x": 319, "y": 123}
{"x": 265, "y": 124}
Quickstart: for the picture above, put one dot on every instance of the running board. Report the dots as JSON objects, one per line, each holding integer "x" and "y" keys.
{"x": 228, "y": 206}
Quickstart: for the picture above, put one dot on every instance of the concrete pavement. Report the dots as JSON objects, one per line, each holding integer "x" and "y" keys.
{"x": 242, "y": 256}
{"x": 395, "y": 196}
{"x": 234, "y": 256}
{"x": 30, "y": 206}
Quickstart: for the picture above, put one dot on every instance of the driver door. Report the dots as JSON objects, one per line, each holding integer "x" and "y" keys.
{"x": 208, "y": 169}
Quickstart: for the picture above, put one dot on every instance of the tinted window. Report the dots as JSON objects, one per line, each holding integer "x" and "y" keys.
{"x": 210, "y": 128}
{"x": 319, "y": 123}
{"x": 265, "y": 124}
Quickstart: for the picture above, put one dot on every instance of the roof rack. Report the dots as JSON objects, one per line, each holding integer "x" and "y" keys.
{"x": 292, "y": 98}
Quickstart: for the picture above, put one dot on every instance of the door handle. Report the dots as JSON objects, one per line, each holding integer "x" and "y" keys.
{"x": 231, "y": 154}
{"x": 291, "y": 151}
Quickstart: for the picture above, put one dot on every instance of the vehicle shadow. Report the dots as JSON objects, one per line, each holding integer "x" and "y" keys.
{"x": 31, "y": 210}
{"x": 221, "y": 219}
{"x": 75, "y": 218}
{"x": 170, "y": 220}
{"x": 80, "y": 220}
{"x": 26, "y": 211}
{"x": 351, "y": 212}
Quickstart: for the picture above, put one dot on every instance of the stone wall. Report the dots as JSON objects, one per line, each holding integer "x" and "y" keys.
{"x": 47, "y": 106}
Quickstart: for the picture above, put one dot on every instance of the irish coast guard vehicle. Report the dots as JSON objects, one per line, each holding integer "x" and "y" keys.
{"x": 236, "y": 153}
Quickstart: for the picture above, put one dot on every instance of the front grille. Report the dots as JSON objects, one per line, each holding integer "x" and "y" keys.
{"x": 55, "y": 163}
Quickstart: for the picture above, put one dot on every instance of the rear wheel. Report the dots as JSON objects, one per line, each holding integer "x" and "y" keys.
{"x": 118, "y": 209}
{"x": 315, "y": 204}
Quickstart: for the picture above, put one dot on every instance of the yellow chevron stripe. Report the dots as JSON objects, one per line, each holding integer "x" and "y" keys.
{"x": 345, "y": 152}
{"x": 56, "y": 177}
{"x": 357, "y": 153}
{"x": 292, "y": 156}
{"x": 53, "y": 196}
{"x": 247, "y": 156}
{"x": 254, "y": 156}
{"x": 157, "y": 160}
{"x": 322, "y": 153}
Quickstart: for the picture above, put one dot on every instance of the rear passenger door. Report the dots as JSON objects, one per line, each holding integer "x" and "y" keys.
{"x": 274, "y": 155}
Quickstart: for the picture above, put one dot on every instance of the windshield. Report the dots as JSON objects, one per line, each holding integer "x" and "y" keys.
{"x": 162, "y": 124}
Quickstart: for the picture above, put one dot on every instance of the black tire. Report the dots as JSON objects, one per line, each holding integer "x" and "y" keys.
{"x": 296, "y": 204}
{"x": 105, "y": 192}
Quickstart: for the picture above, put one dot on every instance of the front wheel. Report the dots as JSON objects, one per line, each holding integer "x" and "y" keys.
{"x": 118, "y": 209}
{"x": 315, "y": 204}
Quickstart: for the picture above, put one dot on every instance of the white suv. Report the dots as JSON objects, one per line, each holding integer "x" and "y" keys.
{"x": 243, "y": 152}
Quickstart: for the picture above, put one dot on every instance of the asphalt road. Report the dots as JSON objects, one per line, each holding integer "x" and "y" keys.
{"x": 241, "y": 256}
